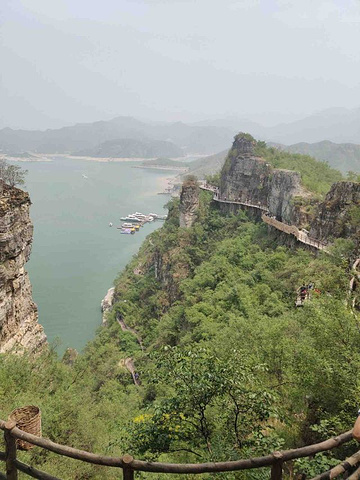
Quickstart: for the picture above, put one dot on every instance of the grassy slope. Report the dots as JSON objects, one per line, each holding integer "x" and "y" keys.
{"x": 344, "y": 156}
{"x": 316, "y": 176}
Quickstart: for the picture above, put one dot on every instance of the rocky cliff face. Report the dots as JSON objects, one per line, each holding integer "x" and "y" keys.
{"x": 339, "y": 214}
{"x": 189, "y": 203}
{"x": 107, "y": 303}
{"x": 248, "y": 178}
{"x": 19, "y": 328}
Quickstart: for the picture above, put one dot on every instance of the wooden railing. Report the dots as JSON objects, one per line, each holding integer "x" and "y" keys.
{"x": 300, "y": 235}
{"x": 293, "y": 230}
{"x": 129, "y": 465}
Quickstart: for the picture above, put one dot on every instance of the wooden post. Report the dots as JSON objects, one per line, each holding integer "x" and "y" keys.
{"x": 10, "y": 442}
{"x": 276, "y": 468}
{"x": 128, "y": 472}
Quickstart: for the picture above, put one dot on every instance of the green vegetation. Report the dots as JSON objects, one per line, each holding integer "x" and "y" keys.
{"x": 230, "y": 368}
{"x": 12, "y": 174}
{"x": 353, "y": 177}
{"x": 316, "y": 176}
{"x": 342, "y": 156}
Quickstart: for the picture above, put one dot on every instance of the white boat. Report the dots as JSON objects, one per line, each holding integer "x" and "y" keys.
{"x": 84, "y": 176}
{"x": 157, "y": 217}
{"x": 110, "y": 224}
{"x": 127, "y": 225}
{"x": 130, "y": 218}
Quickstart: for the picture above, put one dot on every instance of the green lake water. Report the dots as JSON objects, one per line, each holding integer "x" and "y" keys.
{"x": 76, "y": 255}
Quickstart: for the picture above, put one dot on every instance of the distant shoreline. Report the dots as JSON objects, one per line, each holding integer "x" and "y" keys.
{"x": 46, "y": 157}
{"x": 32, "y": 158}
{"x": 101, "y": 159}
{"x": 159, "y": 167}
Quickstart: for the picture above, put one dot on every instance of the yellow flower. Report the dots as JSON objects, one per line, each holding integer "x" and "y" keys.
{"x": 142, "y": 418}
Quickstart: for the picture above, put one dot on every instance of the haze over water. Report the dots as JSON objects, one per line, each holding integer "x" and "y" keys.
{"x": 76, "y": 255}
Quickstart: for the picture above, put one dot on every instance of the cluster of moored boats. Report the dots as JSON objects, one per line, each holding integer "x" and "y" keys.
{"x": 134, "y": 221}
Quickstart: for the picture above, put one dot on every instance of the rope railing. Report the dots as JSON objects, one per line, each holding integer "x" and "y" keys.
{"x": 129, "y": 465}
{"x": 300, "y": 235}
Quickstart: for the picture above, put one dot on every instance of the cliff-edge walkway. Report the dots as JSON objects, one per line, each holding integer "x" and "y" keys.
{"x": 300, "y": 235}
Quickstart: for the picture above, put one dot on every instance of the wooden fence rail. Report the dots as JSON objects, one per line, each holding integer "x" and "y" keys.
{"x": 129, "y": 465}
{"x": 341, "y": 468}
{"x": 300, "y": 235}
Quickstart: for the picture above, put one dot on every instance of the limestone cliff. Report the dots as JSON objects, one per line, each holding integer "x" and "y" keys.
{"x": 339, "y": 214}
{"x": 248, "y": 178}
{"x": 189, "y": 202}
{"x": 107, "y": 303}
{"x": 19, "y": 328}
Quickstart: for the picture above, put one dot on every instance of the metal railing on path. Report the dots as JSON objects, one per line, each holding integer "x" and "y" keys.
{"x": 300, "y": 235}
{"x": 129, "y": 465}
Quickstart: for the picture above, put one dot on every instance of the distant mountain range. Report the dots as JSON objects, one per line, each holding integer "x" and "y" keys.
{"x": 342, "y": 156}
{"x": 338, "y": 125}
{"x": 92, "y": 137}
{"x": 131, "y": 148}
{"x": 206, "y": 137}
{"x": 208, "y": 165}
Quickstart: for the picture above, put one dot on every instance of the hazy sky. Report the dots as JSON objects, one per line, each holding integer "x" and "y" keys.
{"x": 68, "y": 61}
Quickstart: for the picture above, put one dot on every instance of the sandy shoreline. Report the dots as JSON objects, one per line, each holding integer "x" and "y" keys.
{"x": 159, "y": 167}
{"x": 32, "y": 159}
{"x": 101, "y": 159}
{"x": 165, "y": 183}
{"x": 45, "y": 158}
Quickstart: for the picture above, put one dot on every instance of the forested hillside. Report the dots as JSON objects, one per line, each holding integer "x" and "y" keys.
{"x": 132, "y": 148}
{"x": 343, "y": 156}
{"x": 316, "y": 176}
{"x": 229, "y": 368}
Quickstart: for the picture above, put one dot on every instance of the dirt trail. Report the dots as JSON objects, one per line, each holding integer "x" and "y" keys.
{"x": 128, "y": 363}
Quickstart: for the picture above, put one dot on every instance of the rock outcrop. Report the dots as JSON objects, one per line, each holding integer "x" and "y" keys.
{"x": 189, "y": 202}
{"x": 19, "y": 329}
{"x": 248, "y": 178}
{"x": 339, "y": 214}
{"x": 107, "y": 303}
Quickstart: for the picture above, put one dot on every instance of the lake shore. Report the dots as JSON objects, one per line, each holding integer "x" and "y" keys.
{"x": 165, "y": 185}
{"x": 101, "y": 159}
{"x": 32, "y": 158}
{"x": 159, "y": 167}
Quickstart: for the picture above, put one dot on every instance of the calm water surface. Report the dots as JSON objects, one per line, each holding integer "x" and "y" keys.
{"x": 76, "y": 255}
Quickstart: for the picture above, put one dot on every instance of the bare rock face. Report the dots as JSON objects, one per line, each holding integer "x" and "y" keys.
{"x": 189, "y": 202}
{"x": 107, "y": 303}
{"x": 284, "y": 186}
{"x": 247, "y": 178}
{"x": 339, "y": 214}
{"x": 19, "y": 329}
